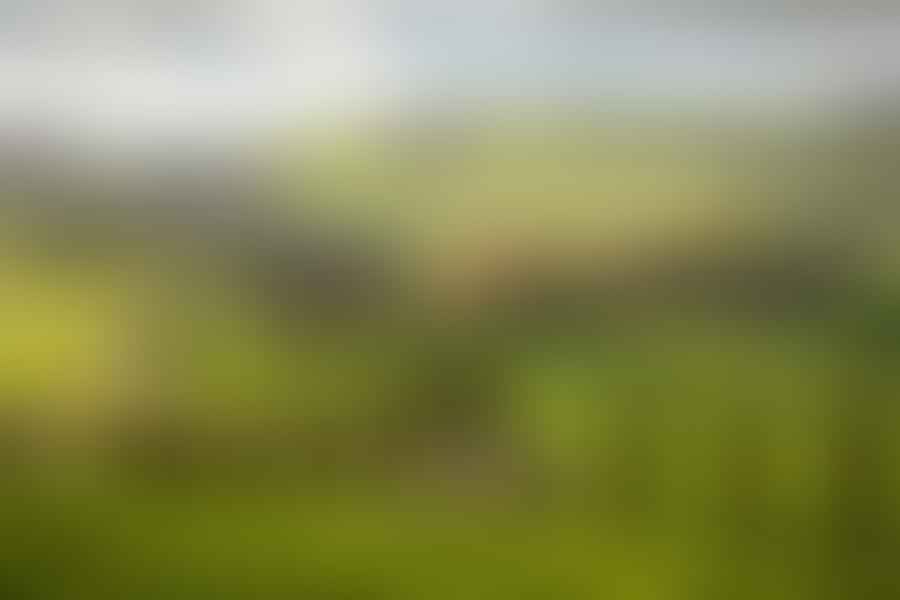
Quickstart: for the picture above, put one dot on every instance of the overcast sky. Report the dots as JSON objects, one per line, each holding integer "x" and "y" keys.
{"x": 138, "y": 68}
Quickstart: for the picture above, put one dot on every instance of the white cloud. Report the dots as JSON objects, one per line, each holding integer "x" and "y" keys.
{"x": 116, "y": 70}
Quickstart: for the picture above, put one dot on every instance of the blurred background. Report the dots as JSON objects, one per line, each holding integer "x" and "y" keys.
{"x": 427, "y": 300}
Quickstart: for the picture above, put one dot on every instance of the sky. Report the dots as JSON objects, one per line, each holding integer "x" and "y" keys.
{"x": 134, "y": 70}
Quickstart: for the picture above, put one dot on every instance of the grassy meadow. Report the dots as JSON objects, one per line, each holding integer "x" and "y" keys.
{"x": 537, "y": 360}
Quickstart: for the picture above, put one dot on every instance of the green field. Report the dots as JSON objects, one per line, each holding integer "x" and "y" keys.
{"x": 592, "y": 362}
